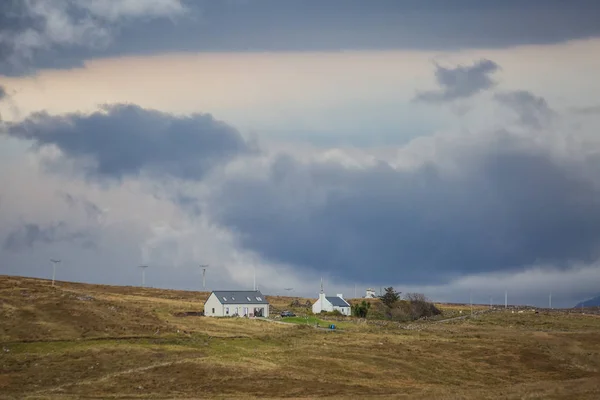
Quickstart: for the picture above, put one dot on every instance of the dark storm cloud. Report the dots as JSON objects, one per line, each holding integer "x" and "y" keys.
{"x": 532, "y": 110}
{"x": 126, "y": 140}
{"x": 460, "y": 82}
{"x": 274, "y": 25}
{"x": 28, "y": 235}
{"x": 507, "y": 209}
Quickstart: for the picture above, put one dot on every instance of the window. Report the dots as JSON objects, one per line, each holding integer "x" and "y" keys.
{"x": 226, "y": 310}
{"x": 259, "y": 298}
{"x": 224, "y": 298}
{"x": 249, "y": 299}
{"x": 233, "y": 298}
{"x": 213, "y": 310}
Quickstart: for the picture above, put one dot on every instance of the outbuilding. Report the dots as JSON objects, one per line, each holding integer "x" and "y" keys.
{"x": 236, "y": 303}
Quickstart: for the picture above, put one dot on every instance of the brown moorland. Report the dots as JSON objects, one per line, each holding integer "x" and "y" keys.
{"x": 76, "y": 341}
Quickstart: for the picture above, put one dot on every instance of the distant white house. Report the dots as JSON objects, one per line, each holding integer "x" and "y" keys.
{"x": 370, "y": 294}
{"x": 331, "y": 303}
{"x": 243, "y": 303}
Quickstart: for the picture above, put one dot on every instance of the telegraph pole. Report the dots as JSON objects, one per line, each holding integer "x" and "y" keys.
{"x": 204, "y": 276}
{"x": 471, "y": 302}
{"x": 143, "y": 267}
{"x": 54, "y": 262}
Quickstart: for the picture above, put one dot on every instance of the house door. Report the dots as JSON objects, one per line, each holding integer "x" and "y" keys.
{"x": 245, "y": 311}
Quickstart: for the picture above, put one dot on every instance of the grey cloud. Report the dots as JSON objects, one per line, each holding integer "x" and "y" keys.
{"x": 31, "y": 30}
{"x": 507, "y": 208}
{"x": 532, "y": 110}
{"x": 29, "y": 234}
{"x": 460, "y": 82}
{"x": 126, "y": 140}
{"x": 93, "y": 211}
{"x": 589, "y": 110}
{"x": 188, "y": 203}
{"x": 311, "y": 25}
{"x": 3, "y": 93}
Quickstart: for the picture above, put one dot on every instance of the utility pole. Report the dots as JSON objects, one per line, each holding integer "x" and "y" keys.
{"x": 355, "y": 290}
{"x": 490, "y": 302}
{"x": 143, "y": 267}
{"x": 204, "y": 276}
{"x": 550, "y": 301}
{"x": 54, "y": 262}
{"x": 471, "y": 302}
{"x": 254, "y": 277}
{"x": 506, "y": 299}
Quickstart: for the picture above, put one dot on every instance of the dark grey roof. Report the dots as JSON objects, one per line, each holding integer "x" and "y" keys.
{"x": 240, "y": 297}
{"x": 337, "y": 301}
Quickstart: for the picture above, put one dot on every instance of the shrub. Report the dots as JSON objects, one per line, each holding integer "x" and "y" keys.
{"x": 361, "y": 310}
{"x": 420, "y": 306}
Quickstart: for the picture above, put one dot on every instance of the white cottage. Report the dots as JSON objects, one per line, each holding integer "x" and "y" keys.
{"x": 242, "y": 303}
{"x": 331, "y": 303}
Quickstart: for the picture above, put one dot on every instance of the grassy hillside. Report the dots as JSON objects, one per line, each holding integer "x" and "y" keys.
{"x": 86, "y": 341}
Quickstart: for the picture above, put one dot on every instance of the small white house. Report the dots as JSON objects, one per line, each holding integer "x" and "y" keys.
{"x": 370, "y": 294}
{"x": 331, "y": 303}
{"x": 242, "y": 303}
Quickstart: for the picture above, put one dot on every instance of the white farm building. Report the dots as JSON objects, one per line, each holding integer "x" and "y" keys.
{"x": 242, "y": 303}
{"x": 331, "y": 303}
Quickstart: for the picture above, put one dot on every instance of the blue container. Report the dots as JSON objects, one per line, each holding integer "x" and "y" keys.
{"x": 332, "y": 326}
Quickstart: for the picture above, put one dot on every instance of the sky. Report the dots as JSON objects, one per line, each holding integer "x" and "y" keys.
{"x": 443, "y": 148}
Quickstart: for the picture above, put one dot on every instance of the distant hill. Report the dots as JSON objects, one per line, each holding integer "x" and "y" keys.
{"x": 594, "y": 302}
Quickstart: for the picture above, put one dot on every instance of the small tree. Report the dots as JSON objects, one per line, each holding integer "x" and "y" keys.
{"x": 361, "y": 310}
{"x": 390, "y": 297}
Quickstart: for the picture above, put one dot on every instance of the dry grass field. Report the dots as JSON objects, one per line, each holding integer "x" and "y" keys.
{"x": 77, "y": 341}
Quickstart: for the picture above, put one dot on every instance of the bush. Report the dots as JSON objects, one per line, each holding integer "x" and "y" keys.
{"x": 414, "y": 306}
{"x": 421, "y": 307}
{"x": 361, "y": 310}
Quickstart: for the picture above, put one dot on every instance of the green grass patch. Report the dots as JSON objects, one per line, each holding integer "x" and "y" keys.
{"x": 314, "y": 321}
{"x": 306, "y": 321}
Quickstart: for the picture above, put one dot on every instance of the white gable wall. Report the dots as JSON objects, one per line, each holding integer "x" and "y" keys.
{"x": 322, "y": 304}
{"x": 213, "y": 307}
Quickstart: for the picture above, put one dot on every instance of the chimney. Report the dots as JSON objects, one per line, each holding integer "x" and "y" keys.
{"x": 340, "y": 296}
